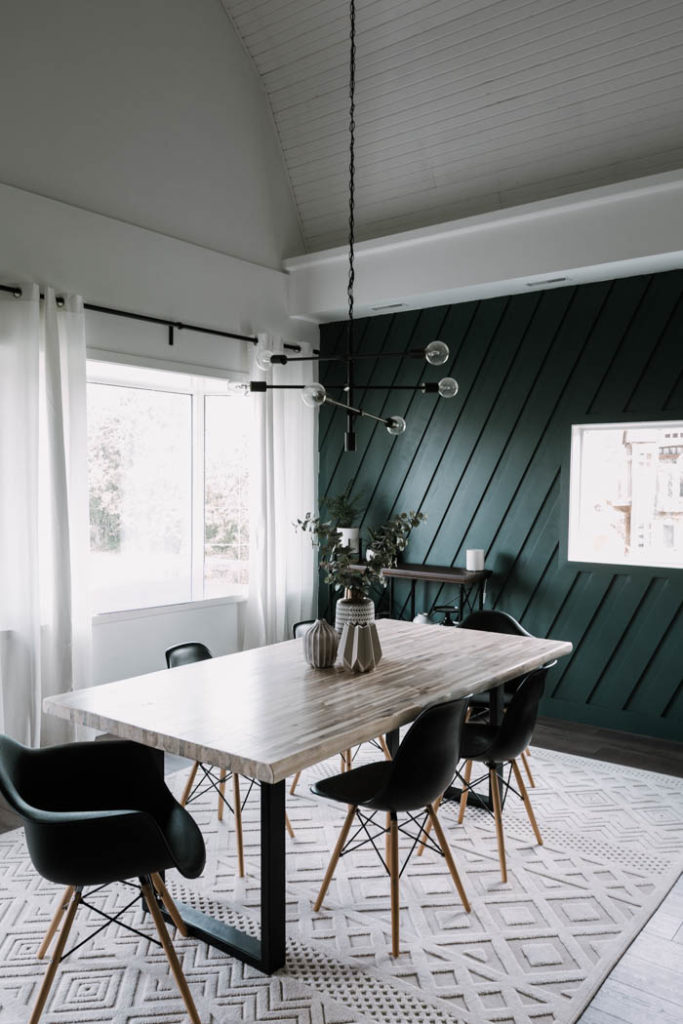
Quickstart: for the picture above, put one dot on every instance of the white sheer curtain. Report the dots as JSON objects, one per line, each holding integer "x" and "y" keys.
{"x": 44, "y": 615}
{"x": 282, "y": 567}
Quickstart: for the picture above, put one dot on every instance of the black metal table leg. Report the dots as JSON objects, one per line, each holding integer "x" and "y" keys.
{"x": 272, "y": 876}
{"x": 266, "y": 953}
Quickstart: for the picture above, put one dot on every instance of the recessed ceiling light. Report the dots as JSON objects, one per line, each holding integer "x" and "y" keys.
{"x": 389, "y": 305}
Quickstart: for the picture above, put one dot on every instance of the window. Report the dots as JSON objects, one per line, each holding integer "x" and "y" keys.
{"x": 168, "y": 481}
{"x": 626, "y": 494}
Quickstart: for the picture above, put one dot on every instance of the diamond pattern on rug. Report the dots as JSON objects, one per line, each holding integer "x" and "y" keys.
{"x": 531, "y": 952}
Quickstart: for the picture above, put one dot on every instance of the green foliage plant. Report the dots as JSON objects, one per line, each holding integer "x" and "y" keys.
{"x": 342, "y": 509}
{"x": 337, "y": 561}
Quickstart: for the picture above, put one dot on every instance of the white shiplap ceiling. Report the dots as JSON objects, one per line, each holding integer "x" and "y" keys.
{"x": 464, "y": 106}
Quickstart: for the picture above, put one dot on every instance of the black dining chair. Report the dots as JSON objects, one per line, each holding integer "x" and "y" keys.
{"x": 496, "y": 621}
{"x": 419, "y": 773}
{"x": 97, "y": 813}
{"x": 299, "y": 629}
{"x": 211, "y": 778}
{"x": 495, "y": 745}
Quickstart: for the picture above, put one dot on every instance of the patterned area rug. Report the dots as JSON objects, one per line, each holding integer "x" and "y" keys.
{"x": 533, "y": 951}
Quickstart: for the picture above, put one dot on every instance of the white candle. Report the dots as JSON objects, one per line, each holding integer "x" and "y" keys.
{"x": 475, "y": 559}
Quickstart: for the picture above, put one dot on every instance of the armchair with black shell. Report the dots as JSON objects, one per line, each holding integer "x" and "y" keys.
{"x": 97, "y": 813}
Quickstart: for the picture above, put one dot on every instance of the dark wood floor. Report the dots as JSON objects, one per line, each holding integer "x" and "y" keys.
{"x": 644, "y": 752}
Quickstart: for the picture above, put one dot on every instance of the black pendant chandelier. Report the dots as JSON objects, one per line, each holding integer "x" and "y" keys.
{"x": 436, "y": 353}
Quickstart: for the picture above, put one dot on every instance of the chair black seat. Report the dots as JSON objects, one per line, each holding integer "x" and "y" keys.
{"x": 360, "y": 786}
{"x": 477, "y": 740}
{"x": 95, "y": 813}
{"x": 490, "y": 743}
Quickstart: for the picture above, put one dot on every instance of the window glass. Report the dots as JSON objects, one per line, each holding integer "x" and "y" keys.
{"x": 168, "y": 486}
{"x": 626, "y": 494}
{"x": 226, "y": 495}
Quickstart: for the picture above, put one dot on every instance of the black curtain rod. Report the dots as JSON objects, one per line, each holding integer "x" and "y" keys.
{"x": 173, "y": 325}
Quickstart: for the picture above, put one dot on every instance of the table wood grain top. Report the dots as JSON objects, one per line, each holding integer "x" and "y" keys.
{"x": 265, "y": 713}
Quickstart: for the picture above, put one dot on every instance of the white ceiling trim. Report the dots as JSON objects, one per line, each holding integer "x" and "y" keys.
{"x": 614, "y": 231}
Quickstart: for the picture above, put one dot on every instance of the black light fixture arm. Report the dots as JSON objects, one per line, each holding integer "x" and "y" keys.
{"x": 281, "y": 359}
{"x": 352, "y": 411}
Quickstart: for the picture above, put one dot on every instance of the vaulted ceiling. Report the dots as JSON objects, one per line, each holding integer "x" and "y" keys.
{"x": 464, "y": 106}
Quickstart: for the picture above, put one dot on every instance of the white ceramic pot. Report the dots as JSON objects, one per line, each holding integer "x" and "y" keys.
{"x": 358, "y": 612}
{"x": 359, "y": 647}
{"x": 349, "y": 536}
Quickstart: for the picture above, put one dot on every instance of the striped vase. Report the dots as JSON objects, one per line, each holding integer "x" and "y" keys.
{"x": 320, "y": 644}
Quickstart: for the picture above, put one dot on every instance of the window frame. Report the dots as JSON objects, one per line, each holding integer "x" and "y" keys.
{"x": 195, "y": 381}
{"x": 637, "y": 570}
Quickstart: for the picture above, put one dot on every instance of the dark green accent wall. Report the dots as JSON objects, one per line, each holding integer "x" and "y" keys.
{"x": 489, "y": 469}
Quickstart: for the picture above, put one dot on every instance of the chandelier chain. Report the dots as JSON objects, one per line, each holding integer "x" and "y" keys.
{"x": 352, "y": 165}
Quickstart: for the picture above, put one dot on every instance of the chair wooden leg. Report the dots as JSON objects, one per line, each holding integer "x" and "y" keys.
{"x": 465, "y": 791}
{"x": 221, "y": 792}
{"x": 395, "y": 902}
{"x": 527, "y": 769}
{"x": 63, "y": 903}
{"x": 288, "y": 826}
{"x": 189, "y": 784}
{"x": 385, "y": 748}
{"x": 498, "y": 815}
{"x": 428, "y": 828}
{"x": 527, "y": 802}
{"x": 335, "y": 857}
{"x": 295, "y": 782}
{"x": 56, "y": 957}
{"x": 239, "y": 839}
{"x": 387, "y": 838}
{"x": 443, "y": 843}
{"x": 170, "y": 951}
{"x": 167, "y": 900}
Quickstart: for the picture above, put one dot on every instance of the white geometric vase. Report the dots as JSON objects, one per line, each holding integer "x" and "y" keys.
{"x": 359, "y": 647}
{"x": 320, "y": 644}
{"x": 359, "y": 612}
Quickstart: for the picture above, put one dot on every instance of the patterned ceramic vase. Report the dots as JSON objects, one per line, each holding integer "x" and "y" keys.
{"x": 359, "y": 612}
{"x": 320, "y": 644}
{"x": 359, "y": 647}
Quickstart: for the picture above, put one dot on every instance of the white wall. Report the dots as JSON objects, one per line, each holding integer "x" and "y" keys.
{"x": 148, "y": 111}
{"x": 111, "y": 263}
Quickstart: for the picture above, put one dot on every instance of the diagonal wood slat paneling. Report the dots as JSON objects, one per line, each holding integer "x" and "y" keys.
{"x": 487, "y": 468}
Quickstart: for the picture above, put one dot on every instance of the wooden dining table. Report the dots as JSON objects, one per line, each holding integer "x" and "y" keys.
{"x": 266, "y": 714}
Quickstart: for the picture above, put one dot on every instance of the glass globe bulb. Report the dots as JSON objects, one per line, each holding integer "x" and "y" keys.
{"x": 397, "y": 425}
{"x": 238, "y": 387}
{"x": 313, "y": 395}
{"x": 448, "y": 387}
{"x": 263, "y": 359}
{"x": 436, "y": 353}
